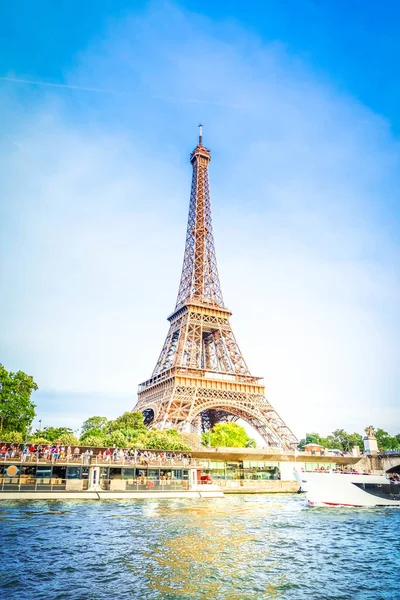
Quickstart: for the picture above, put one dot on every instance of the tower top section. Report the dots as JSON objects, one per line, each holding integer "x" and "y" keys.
{"x": 200, "y": 151}
{"x": 199, "y": 279}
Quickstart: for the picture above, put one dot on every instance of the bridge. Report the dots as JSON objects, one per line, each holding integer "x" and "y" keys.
{"x": 388, "y": 461}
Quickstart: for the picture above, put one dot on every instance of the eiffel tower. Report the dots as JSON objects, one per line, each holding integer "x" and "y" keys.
{"x": 201, "y": 377}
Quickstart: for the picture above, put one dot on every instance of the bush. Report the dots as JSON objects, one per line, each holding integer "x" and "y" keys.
{"x": 227, "y": 435}
{"x": 11, "y": 436}
{"x": 163, "y": 440}
{"x": 251, "y": 443}
{"x": 92, "y": 440}
{"x": 129, "y": 420}
{"x": 68, "y": 439}
{"x": 116, "y": 438}
{"x": 39, "y": 440}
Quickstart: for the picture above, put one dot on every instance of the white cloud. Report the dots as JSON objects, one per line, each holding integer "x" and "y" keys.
{"x": 303, "y": 185}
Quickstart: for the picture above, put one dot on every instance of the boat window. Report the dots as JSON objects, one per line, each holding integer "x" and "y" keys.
{"x": 128, "y": 473}
{"x": 115, "y": 473}
{"x": 74, "y": 473}
{"x": 386, "y": 490}
{"x": 43, "y": 471}
{"x": 105, "y": 473}
{"x": 59, "y": 472}
{"x": 31, "y": 471}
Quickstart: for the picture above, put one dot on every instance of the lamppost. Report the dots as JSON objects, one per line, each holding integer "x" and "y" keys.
{"x": 40, "y": 424}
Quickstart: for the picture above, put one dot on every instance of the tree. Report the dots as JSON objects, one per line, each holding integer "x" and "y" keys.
{"x": 34, "y": 439}
{"x": 339, "y": 439}
{"x": 93, "y": 440}
{"x": 386, "y": 441}
{"x": 311, "y": 438}
{"x": 53, "y": 434}
{"x": 331, "y": 442}
{"x": 116, "y": 438}
{"x": 227, "y": 435}
{"x": 343, "y": 439}
{"x": 356, "y": 440}
{"x": 95, "y": 423}
{"x": 129, "y": 421}
{"x": 68, "y": 439}
{"x": 97, "y": 433}
{"x": 163, "y": 440}
{"x": 14, "y": 437}
{"x": 17, "y": 410}
{"x": 251, "y": 443}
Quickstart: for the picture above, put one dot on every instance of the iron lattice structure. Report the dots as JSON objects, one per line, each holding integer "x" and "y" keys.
{"x": 201, "y": 377}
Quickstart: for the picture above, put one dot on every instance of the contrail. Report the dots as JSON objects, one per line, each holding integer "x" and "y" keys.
{"x": 59, "y": 85}
{"x": 98, "y": 91}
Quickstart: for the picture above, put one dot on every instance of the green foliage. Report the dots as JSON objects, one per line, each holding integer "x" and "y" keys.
{"x": 98, "y": 424}
{"x": 92, "y": 433}
{"x": 164, "y": 440}
{"x": 116, "y": 438}
{"x": 227, "y": 435}
{"x": 386, "y": 441}
{"x": 251, "y": 443}
{"x": 17, "y": 410}
{"x": 68, "y": 439}
{"x": 344, "y": 441}
{"x": 93, "y": 440}
{"x": 128, "y": 421}
{"x": 154, "y": 439}
{"x": 11, "y": 436}
{"x": 53, "y": 434}
{"x": 311, "y": 438}
{"x": 39, "y": 440}
{"x": 121, "y": 432}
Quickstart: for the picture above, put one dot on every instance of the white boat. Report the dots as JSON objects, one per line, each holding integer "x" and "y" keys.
{"x": 348, "y": 489}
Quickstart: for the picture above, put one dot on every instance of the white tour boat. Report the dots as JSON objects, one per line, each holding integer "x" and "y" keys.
{"x": 348, "y": 489}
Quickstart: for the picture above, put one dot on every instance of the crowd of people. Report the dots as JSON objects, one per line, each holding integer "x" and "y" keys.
{"x": 56, "y": 452}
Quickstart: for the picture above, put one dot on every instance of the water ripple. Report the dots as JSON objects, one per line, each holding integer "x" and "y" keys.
{"x": 236, "y": 548}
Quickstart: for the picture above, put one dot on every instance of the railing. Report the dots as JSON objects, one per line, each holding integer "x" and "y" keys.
{"x": 384, "y": 453}
{"x": 237, "y": 377}
{"x": 25, "y": 483}
{"x": 87, "y": 459}
{"x": 143, "y": 484}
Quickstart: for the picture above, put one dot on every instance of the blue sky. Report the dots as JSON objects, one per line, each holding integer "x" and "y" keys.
{"x": 299, "y": 102}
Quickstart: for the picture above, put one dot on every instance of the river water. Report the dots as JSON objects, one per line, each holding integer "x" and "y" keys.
{"x": 235, "y": 548}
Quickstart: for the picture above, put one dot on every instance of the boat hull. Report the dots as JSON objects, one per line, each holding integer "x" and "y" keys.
{"x": 348, "y": 489}
{"x": 203, "y": 492}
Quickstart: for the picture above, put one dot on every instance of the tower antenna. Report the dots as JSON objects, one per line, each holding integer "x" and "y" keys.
{"x": 201, "y": 134}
